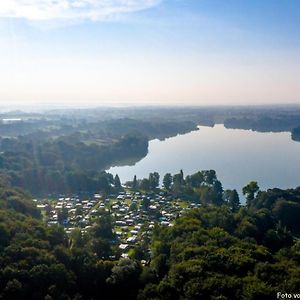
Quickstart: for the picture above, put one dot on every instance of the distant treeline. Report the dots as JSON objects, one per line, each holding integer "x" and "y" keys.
{"x": 67, "y": 151}
{"x": 296, "y": 134}
{"x": 71, "y": 158}
{"x": 264, "y": 123}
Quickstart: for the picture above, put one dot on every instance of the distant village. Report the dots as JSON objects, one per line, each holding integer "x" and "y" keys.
{"x": 134, "y": 214}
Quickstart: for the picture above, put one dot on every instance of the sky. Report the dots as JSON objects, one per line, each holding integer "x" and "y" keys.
{"x": 169, "y": 52}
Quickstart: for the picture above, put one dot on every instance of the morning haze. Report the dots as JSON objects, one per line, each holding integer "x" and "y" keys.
{"x": 143, "y": 52}
{"x": 149, "y": 149}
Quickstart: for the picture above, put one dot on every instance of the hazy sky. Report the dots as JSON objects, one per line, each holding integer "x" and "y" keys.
{"x": 149, "y": 51}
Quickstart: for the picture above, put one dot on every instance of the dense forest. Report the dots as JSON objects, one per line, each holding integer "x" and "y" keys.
{"x": 71, "y": 156}
{"x": 219, "y": 250}
{"x": 222, "y": 250}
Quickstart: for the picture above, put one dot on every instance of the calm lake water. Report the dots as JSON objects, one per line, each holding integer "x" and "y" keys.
{"x": 238, "y": 156}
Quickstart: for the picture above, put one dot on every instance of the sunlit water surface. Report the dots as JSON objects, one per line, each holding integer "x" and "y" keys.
{"x": 238, "y": 156}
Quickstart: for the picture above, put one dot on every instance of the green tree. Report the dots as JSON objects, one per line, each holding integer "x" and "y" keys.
{"x": 210, "y": 176}
{"x": 125, "y": 276}
{"x": 117, "y": 182}
{"x": 145, "y": 203}
{"x": 4, "y": 236}
{"x": 103, "y": 227}
{"x": 288, "y": 212}
{"x": 207, "y": 195}
{"x": 101, "y": 247}
{"x": 250, "y": 191}
{"x": 133, "y": 206}
{"x": 231, "y": 197}
{"x": 167, "y": 181}
{"x": 178, "y": 181}
{"x": 195, "y": 180}
{"x": 153, "y": 180}
{"x": 218, "y": 190}
{"x": 77, "y": 239}
{"x": 13, "y": 290}
{"x": 145, "y": 184}
{"x": 134, "y": 183}
{"x": 62, "y": 215}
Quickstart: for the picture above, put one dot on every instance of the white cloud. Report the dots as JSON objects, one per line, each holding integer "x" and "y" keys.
{"x": 45, "y": 10}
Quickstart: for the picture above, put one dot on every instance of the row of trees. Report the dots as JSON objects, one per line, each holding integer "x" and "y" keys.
{"x": 203, "y": 187}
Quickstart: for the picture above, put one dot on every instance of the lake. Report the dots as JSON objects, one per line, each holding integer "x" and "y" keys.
{"x": 238, "y": 156}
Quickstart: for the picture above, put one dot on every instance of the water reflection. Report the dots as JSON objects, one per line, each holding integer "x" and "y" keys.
{"x": 238, "y": 156}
